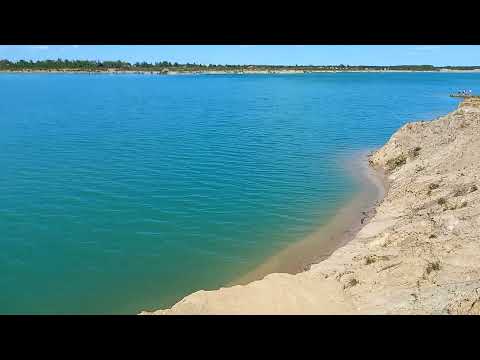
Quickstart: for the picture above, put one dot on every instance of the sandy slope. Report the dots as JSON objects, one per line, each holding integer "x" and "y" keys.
{"x": 420, "y": 253}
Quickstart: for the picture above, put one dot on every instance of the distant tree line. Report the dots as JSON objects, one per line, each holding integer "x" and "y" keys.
{"x": 98, "y": 66}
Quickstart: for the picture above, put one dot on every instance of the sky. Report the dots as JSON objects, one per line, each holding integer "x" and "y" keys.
{"x": 437, "y": 55}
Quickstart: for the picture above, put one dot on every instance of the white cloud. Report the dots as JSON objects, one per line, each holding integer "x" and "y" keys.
{"x": 40, "y": 47}
{"x": 427, "y": 48}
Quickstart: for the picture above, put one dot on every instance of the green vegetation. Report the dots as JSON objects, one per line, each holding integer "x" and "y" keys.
{"x": 413, "y": 153}
{"x": 165, "y": 66}
{"x": 434, "y": 266}
{"x": 464, "y": 190}
{"x": 395, "y": 162}
{"x": 352, "y": 282}
{"x": 370, "y": 259}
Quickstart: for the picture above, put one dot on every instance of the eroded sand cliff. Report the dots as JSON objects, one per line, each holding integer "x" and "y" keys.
{"x": 419, "y": 254}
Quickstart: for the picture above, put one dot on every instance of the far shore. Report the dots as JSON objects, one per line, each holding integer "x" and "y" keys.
{"x": 233, "y": 72}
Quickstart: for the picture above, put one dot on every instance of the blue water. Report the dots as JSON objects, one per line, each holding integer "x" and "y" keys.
{"x": 126, "y": 192}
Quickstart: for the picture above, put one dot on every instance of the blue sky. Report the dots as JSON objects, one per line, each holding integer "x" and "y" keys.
{"x": 256, "y": 54}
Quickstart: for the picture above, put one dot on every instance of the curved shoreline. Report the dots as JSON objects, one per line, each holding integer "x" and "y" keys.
{"x": 348, "y": 221}
{"x": 344, "y": 225}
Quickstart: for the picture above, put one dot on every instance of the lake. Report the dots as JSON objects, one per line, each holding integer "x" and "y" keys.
{"x": 120, "y": 193}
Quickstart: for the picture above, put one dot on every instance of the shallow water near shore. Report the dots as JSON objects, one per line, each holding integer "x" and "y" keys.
{"x": 336, "y": 232}
{"x": 124, "y": 193}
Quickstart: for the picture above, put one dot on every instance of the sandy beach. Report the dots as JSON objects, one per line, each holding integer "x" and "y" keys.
{"x": 417, "y": 254}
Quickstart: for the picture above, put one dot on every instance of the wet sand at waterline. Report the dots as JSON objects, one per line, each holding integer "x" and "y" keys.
{"x": 343, "y": 226}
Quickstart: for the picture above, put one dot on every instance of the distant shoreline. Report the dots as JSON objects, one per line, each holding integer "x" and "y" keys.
{"x": 232, "y": 72}
{"x": 175, "y": 68}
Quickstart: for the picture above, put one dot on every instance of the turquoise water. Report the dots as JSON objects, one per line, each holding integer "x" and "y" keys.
{"x": 127, "y": 192}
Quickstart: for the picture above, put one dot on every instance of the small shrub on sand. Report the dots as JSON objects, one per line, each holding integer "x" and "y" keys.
{"x": 464, "y": 190}
{"x": 441, "y": 201}
{"x": 415, "y": 152}
{"x": 351, "y": 283}
{"x": 458, "y": 192}
{"x": 370, "y": 259}
{"x": 396, "y": 162}
{"x": 435, "y": 266}
{"x": 433, "y": 186}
